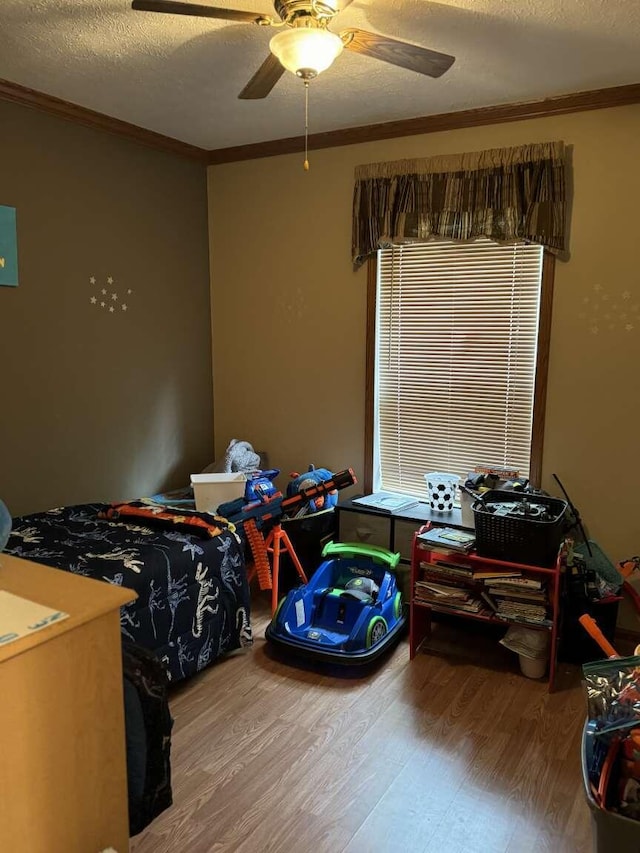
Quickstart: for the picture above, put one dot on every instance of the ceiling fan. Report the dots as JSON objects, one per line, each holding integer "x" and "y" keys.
{"x": 306, "y": 46}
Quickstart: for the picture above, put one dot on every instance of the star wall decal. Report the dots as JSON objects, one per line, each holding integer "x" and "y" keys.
{"x": 109, "y": 293}
{"x": 609, "y": 309}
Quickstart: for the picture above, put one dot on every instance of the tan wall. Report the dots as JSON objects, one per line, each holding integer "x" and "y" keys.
{"x": 100, "y": 406}
{"x": 289, "y": 312}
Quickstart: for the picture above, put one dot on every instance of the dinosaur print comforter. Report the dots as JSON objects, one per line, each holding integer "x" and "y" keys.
{"x": 193, "y": 595}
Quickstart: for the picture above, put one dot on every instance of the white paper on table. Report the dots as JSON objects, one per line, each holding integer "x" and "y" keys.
{"x": 20, "y": 617}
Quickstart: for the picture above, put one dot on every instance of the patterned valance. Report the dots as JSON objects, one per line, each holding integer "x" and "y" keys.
{"x": 505, "y": 194}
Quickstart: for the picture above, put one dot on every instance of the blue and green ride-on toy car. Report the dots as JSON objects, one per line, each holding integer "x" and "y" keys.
{"x": 350, "y": 612}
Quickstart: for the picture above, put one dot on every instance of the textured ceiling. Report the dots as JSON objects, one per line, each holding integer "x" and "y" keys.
{"x": 180, "y": 76}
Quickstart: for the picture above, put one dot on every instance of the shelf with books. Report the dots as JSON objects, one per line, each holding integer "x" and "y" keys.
{"x": 460, "y": 583}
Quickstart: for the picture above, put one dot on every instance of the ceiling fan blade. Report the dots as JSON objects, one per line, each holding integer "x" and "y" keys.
{"x": 264, "y": 79}
{"x": 401, "y": 53}
{"x": 198, "y": 10}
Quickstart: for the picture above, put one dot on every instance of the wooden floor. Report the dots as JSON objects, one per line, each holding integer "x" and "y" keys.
{"x": 451, "y": 752}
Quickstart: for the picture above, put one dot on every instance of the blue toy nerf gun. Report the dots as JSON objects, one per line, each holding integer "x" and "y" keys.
{"x": 260, "y": 485}
{"x": 272, "y": 507}
{"x": 251, "y": 517}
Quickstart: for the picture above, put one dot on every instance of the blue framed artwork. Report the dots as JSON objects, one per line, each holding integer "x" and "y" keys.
{"x": 8, "y": 246}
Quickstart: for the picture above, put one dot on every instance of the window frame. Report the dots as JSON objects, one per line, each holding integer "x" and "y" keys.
{"x": 542, "y": 369}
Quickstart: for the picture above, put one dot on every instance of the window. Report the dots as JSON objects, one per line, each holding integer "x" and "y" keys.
{"x": 459, "y": 347}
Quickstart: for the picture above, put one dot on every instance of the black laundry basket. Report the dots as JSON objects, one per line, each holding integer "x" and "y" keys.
{"x": 526, "y": 539}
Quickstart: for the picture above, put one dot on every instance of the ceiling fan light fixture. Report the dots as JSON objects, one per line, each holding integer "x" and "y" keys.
{"x": 306, "y": 52}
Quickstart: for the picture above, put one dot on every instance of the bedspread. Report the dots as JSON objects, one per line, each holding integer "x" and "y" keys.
{"x": 193, "y": 596}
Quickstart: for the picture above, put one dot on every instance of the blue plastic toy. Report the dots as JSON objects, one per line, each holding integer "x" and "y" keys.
{"x": 350, "y": 612}
{"x": 260, "y": 485}
{"x": 313, "y": 477}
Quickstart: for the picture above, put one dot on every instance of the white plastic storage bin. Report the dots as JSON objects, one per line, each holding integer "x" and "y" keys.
{"x": 211, "y": 490}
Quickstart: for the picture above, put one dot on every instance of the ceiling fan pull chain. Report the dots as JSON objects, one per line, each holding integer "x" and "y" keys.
{"x": 306, "y": 125}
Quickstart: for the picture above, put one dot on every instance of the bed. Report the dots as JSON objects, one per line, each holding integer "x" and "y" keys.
{"x": 187, "y": 568}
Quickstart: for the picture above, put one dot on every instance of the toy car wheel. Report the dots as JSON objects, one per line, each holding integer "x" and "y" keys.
{"x": 397, "y": 605}
{"x": 376, "y": 630}
{"x": 274, "y": 618}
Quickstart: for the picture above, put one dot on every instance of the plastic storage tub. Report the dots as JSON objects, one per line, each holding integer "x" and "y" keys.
{"x": 612, "y": 833}
{"x": 211, "y": 490}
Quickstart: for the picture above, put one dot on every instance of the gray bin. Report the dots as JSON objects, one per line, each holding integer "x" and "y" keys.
{"x": 612, "y": 833}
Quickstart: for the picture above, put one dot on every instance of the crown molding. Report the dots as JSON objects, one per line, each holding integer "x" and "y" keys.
{"x": 597, "y": 99}
{"x": 90, "y": 118}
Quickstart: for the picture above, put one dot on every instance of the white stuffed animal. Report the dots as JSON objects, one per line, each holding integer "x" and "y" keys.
{"x": 239, "y": 456}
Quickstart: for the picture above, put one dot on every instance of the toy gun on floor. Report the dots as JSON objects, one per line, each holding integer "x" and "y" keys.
{"x": 272, "y": 508}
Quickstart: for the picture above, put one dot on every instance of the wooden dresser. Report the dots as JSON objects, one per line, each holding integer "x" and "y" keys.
{"x": 63, "y": 786}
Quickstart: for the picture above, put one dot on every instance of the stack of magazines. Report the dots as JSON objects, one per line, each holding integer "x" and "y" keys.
{"x": 386, "y": 502}
{"x": 447, "y": 596}
{"x": 448, "y": 585}
{"x": 448, "y": 539}
{"x": 519, "y": 599}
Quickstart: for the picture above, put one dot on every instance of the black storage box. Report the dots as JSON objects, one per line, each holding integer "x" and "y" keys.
{"x": 510, "y": 533}
{"x": 576, "y": 646}
{"x": 308, "y": 534}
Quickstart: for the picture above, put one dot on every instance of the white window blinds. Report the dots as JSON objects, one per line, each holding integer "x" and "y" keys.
{"x": 456, "y": 342}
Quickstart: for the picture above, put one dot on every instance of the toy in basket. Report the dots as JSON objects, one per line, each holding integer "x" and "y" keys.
{"x": 519, "y": 528}
{"x": 350, "y": 611}
{"x": 611, "y": 745}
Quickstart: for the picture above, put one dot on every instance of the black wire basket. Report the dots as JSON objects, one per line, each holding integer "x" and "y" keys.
{"x": 519, "y": 528}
